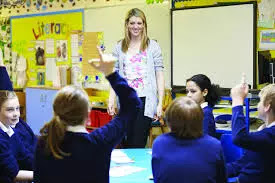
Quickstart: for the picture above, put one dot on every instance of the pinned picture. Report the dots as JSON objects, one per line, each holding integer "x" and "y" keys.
{"x": 40, "y": 78}
{"x": 62, "y": 50}
{"x": 40, "y": 53}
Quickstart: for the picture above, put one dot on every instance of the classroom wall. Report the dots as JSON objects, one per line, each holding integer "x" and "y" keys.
{"x": 97, "y": 18}
{"x": 157, "y": 14}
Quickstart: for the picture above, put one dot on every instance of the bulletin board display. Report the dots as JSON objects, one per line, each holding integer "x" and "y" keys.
{"x": 218, "y": 41}
{"x": 46, "y": 41}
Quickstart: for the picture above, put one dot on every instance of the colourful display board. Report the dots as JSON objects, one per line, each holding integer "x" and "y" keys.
{"x": 42, "y": 38}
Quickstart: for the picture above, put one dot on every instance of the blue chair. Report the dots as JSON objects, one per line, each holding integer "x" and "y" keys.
{"x": 226, "y": 117}
{"x": 231, "y": 151}
{"x": 223, "y": 118}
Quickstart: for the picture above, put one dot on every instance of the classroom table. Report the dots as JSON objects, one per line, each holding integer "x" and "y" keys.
{"x": 142, "y": 158}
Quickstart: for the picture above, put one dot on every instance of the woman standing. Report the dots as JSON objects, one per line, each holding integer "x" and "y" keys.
{"x": 140, "y": 62}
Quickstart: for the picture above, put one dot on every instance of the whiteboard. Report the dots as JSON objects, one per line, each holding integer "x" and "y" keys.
{"x": 218, "y": 41}
{"x": 110, "y": 21}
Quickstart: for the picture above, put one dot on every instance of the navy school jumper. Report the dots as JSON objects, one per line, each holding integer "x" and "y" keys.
{"x": 13, "y": 157}
{"x": 179, "y": 160}
{"x": 209, "y": 126}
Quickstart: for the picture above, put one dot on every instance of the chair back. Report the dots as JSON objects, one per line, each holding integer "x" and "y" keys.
{"x": 226, "y": 117}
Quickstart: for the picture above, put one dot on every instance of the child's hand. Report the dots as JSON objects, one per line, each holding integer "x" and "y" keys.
{"x": 105, "y": 64}
{"x": 239, "y": 92}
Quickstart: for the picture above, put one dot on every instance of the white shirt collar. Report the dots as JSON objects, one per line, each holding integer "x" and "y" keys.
{"x": 77, "y": 129}
{"x": 271, "y": 124}
{"x": 7, "y": 130}
{"x": 266, "y": 126}
{"x": 204, "y": 104}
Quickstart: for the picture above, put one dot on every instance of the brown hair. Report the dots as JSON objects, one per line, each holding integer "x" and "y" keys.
{"x": 127, "y": 38}
{"x": 71, "y": 106}
{"x": 184, "y": 117}
{"x": 5, "y": 95}
{"x": 267, "y": 96}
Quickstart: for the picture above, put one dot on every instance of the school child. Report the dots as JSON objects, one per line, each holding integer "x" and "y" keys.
{"x": 258, "y": 162}
{"x": 17, "y": 140}
{"x": 186, "y": 154}
{"x": 14, "y": 159}
{"x": 200, "y": 89}
{"x": 21, "y": 128}
{"x": 66, "y": 152}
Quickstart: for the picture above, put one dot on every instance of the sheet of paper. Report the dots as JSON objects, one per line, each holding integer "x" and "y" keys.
{"x": 50, "y": 69}
{"x": 89, "y": 51}
{"x": 119, "y": 171}
{"x": 21, "y": 64}
{"x": 119, "y": 156}
{"x": 75, "y": 59}
{"x": 50, "y": 46}
{"x": 74, "y": 45}
{"x": 6, "y": 53}
{"x": 267, "y": 41}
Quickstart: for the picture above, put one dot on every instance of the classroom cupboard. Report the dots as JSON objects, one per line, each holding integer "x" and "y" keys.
{"x": 39, "y": 107}
{"x": 39, "y": 110}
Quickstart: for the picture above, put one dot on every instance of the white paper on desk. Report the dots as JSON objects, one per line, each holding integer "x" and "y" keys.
{"x": 119, "y": 171}
{"x": 118, "y": 156}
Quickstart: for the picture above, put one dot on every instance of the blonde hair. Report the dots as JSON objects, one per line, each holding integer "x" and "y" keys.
{"x": 71, "y": 107}
{"x": 127, "y": 38}
{"x": 5, "y": 95}
{"x": 267, "y": 96}
{"x": 184, "y": 117}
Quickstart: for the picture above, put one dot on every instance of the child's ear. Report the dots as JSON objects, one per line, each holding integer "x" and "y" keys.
{"x": 267, "y": 108}
{"x": 204, "y": 92}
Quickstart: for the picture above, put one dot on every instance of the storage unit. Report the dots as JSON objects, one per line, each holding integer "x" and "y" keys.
{"x": 39, "y": 107}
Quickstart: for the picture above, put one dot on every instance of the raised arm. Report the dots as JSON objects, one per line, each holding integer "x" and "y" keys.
{"x": 5, "y": 83}
{"x": 256, "y": 141}
{"x": 113, "y": 132}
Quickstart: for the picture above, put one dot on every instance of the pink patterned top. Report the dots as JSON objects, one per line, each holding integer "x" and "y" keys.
{"x": 135, "y": 71}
